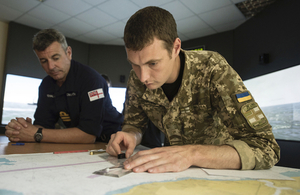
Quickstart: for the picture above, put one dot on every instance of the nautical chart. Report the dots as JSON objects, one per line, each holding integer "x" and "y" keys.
{"x": 72, "y": 173}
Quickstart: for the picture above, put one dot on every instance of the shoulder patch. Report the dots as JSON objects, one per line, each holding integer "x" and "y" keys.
{"x": 254, "y": 115}
{"x": 242, "y": 97}
{"x": 96, "y": 94}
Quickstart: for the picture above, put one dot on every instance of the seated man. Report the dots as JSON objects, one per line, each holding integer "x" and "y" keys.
{"x": 73, "y": 94}
{"x": 195, "y": 98}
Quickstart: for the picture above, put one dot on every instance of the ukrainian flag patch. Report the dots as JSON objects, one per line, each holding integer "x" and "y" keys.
{"x": 242, "y": 97}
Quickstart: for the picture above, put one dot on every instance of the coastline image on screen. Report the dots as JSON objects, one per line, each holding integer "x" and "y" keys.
{"x": 278, "y": 95}
{"x": 20, "y": 97}
{"x": 117, "y": 96}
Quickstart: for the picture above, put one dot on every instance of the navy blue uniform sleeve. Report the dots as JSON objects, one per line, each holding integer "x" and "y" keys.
{"x": 93, "y": 97}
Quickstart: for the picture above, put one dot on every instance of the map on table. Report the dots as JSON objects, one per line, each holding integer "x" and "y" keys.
{"x": 72, "y": 173}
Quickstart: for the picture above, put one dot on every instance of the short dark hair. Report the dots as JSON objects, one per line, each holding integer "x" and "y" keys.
{"x": 147, "y": 23}
{"x": 46, "y": 37}
{"x": 106, "y": 78}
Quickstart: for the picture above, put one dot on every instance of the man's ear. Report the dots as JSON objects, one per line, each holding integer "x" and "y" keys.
{"x": 177, "y": 46}
{"x": 69, "y": 52}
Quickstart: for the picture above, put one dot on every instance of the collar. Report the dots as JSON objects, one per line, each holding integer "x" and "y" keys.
{"x": 157, "y": 96}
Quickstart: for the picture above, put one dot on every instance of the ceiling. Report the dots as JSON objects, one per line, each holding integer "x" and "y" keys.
{"x": 103, "y": 21}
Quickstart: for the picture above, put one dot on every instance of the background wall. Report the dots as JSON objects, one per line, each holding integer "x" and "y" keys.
{"x": 274, "y": 31}
{"x": 3, "y": 40}
{"x": 221, "y": 43}
{"x": 110, "y": 60}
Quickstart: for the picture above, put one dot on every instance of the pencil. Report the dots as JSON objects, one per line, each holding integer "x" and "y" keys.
{"x": 100, "y": 151}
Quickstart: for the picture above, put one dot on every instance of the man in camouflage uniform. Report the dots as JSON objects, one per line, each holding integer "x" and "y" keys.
{"x": 194, "y": 97}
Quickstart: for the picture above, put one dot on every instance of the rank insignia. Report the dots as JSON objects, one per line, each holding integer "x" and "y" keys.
{"x": 242, "y": 97}
{"x": 64, "y": 116}
{"x": 254, "y": 115}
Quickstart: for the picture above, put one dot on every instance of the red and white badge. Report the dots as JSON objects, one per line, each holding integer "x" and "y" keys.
{"x": 96, "y": 94}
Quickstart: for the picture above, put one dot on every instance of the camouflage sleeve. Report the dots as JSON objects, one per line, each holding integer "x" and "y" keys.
{"x": 246, "y": 123}
{"x": 134, "y": 116}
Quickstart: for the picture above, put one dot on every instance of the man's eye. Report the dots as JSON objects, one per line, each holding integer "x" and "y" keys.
{"x": 153, "y": 63}
{"x": 55, "y": 59}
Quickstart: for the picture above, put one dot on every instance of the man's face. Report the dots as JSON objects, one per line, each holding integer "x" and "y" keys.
{"x": 55, "y": 61}
{"x": 153, "y": 64}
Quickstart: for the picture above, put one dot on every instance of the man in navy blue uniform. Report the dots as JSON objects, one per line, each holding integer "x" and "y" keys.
{"x": 73, "y": 97}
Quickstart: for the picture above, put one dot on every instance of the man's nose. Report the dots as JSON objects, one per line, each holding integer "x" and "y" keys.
{"x": 144, "y": 74}
{"x": 51, "y": 64}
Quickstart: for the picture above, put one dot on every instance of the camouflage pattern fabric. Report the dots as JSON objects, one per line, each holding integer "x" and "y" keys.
{"x": 212, "y": 106}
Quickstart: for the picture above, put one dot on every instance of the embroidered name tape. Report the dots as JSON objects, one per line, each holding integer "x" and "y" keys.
{"x": 96, "y": 94}
{"x": 71, "y": 94}
{"x": 242, "y": 97}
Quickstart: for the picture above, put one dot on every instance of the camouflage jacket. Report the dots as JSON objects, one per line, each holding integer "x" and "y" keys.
{"x": 212, "y": 106}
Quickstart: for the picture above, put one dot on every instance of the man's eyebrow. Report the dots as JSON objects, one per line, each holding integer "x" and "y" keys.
{"x": 55, "y": 55}
{"x": 152, "y": 61}
{"x": 148, "y": 62}
{"x": 42, "y": 59}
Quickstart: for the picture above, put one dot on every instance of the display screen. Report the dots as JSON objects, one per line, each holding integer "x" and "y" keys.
{"x": 20, "y": 97}
{"x": 278, "y": 95}
{"x": 117, "y": 96}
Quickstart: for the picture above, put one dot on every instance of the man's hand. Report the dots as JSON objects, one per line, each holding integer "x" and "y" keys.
{"x": 122, "y": 141}
{"x": 159, "y": 160}
{"x": 20, "y": 129}
{"x": 180, "y": 158}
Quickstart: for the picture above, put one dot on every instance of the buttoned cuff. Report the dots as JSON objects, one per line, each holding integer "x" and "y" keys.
{"x": 245, "y": 152}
